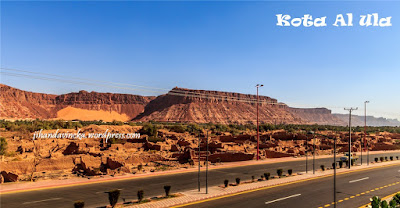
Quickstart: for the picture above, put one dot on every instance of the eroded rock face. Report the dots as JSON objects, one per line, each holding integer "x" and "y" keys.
{"x": 15, "y": 103}
{"x": 9, "y": 177}
{"x": 214, "y": 106}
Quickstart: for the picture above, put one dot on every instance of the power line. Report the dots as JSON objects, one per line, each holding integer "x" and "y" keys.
{"x": 176, "y": 92}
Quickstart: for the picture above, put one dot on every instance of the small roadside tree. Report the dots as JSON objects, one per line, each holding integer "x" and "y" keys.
{"x": 113, "y": 196}
{"x": 226, "y": 182}
{"x": 279, "y": 172}
{"x": 167, "y": 189}
{"x": 140, "y": 195}
{"x": 267, "y": 175}
{"x": 79, "y": 204}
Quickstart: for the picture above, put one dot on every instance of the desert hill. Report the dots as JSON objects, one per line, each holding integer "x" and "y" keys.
{"x": 371, "y": 121}
{"x": 178, "y": 105}
{"x": 19, "y": 104}
{"x": 227, "y": 108}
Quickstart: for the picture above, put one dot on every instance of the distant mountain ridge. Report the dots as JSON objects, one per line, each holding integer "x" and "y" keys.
{"x": 371, "y": 120}
{"x": 178, "y": 105}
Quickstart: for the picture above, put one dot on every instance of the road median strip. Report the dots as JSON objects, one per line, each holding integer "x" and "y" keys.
{"x": 193, "y": 197}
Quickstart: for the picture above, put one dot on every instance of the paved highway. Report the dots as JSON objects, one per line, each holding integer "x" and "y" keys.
{"x": 94, "y": 196}
{"x": 353, "y": 190}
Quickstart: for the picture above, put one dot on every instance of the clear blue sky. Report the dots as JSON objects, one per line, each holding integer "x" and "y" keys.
{"x": 227, "y": 46}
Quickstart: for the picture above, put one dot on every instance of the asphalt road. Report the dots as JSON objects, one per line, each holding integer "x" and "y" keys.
{"x": 318, "y": 193}
{"x": 94, "y": 196}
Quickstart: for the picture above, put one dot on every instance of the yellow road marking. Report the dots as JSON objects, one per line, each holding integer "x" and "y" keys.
{"x": 384, "y": 198}
{"x": 284, "y": 184}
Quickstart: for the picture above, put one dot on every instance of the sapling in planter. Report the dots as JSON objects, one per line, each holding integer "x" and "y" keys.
{"x": 237, "y": 181}
{"x": 279, "y": 172}
{"x": 226, "y": 182}
{"x": 267, "y": 175}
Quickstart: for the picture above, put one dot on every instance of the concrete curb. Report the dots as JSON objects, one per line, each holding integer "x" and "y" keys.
{"x": 215, "y": 192}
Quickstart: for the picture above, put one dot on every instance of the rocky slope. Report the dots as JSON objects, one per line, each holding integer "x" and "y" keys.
{"x": 186, "y": 105}
{"x": 19, "y": 104}
{"x": 179, "y": 105}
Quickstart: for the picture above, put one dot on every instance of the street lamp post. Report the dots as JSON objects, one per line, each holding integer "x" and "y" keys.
{"x": 207, "y": 166}
{"x": 313, "y": 152}
{"x": 306, "y": 154}
{"x": 365, "y": 130}
{"x": 313, "y": 162}
{"x": 334, "y": 172}
{"x": 334, "y": 160}
{"x": 198, "y": 173}
{"x": 258, "y": 136}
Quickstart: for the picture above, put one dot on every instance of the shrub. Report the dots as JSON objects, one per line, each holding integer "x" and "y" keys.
{"x": 191, "y": 162}
{"x": 3, "y": 146}
{"x": 323, "y": 167}
{"x": 279, "y": 172}
{"x": 397, "y": 198}
{"x": 384, "y": 204}
{"x": 237, "y": 181}
{"x": 290, "y": 171}
{"x": 113, "y": 196}
{"x": 376, "y": 159}
{"x": 226, "y": 182}
{"x": 382, "y": 159}
{"x": 149, "y": 129}
{"x": 392, "y": 204}
{"x": 79, "y": 204}
{"x": 267, "y": 175}
{"x": 341, "y": 164}
{"x": 167, "y": 189}
{"x": 391, "y": 157}
{"x": 140, "y": 195}
{"x": 375, "y": 202}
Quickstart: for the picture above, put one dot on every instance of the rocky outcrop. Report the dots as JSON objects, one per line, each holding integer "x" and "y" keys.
{"x": 9, "y": 177}
{"x": 200, "y": 106}
{"x": 19, "y": 104}
{"x": 178, "y": 105}
{"x": 15, "y": 103}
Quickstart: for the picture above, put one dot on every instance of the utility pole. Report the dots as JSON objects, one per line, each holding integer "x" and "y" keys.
{"x": 258, "y": 136}
{"x": 313, "y": 162}
{"x": 198, "y": 156}
{"x": 207, "y": 166}
{"x": 334, "y": 172}
{"x": 307, "y": 155}
{"x": 350, "y": 110}
{"x": 365, "y": 129}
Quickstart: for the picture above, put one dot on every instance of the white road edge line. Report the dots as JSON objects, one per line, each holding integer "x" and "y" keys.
{"x": 269, "y": 202}
{"x": 361, "y": 179}
{"x": 32, "y": 202}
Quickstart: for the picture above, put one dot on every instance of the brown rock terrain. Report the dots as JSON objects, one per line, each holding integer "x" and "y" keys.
{"x": 227, "y": 108}
{"x": 64, "y": 158}
{"x": 179, "y": 105}
{"x": 19, "y": 104}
